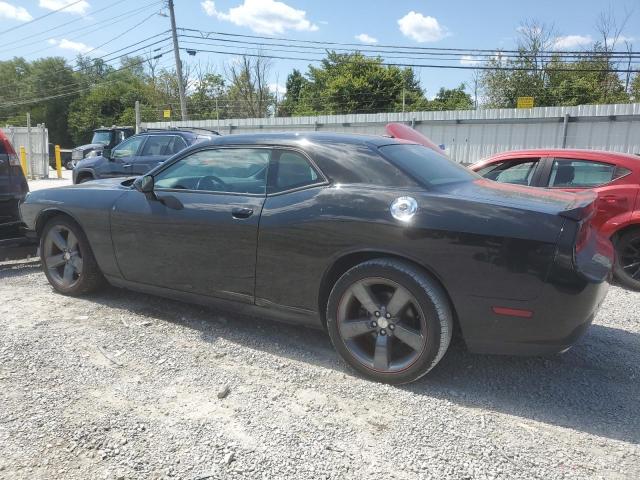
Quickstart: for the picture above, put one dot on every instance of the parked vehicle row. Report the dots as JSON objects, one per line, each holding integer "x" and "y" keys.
{"x": 137, "y": 154}
{"x": 388, "y": 245}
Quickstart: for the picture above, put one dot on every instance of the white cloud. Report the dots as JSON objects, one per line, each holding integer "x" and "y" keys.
{"x": 364, "y": 38}
{"x": 422, "y": 28}
{"x": 14, "y": 13}
{"x": 572, "y": 41}
{"x": 65, "y": 44}
{"x": 80, "y": 8}
{"x": 620, "y": 40}
{"x": 263, "y": 16}
{"x": 469, "y": 61}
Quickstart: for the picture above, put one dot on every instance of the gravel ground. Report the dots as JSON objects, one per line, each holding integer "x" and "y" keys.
{"x": 119, "y": 385}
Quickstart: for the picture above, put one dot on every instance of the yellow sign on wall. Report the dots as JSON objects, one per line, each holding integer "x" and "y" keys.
{"x": 166, "y": 113}
{"x": 525, "y": 102}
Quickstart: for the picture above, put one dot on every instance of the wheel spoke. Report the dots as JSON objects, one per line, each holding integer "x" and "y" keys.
{"x": 67, "y": 277}
{"x": 632, "y": 265}
{"x": 382, "y": 353}
{"x": 54, "y": 260}
{"x": 76, "y": 262}
{"x": 365, "y": 297}
{"x": 355, "y": 328}
{"x": 56, "y": 238}
{"x": 409, "y": 336}
{"x": 399, "y": 301}
{"x": 72, "y": 242}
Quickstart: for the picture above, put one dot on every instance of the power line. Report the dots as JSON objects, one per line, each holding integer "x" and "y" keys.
{"x": 126, "y": 54}
{"x": 40, "y": 17}
{"x": 465, "y": 50}
{"x": 405, "y": 50}
{"x": 417, "y": 65}
{"x": 47, "y": 32}
{"x": 80, "y": 90}
{"x": 378, "y": 54}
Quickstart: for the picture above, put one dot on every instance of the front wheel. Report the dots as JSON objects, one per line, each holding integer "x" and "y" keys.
{"x": 389, "y": 320}
{"x": 627, "y": 265}
{"x": 67, "y": 259}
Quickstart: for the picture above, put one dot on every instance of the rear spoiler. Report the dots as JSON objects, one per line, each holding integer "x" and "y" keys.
{"x": 582, "y": 208}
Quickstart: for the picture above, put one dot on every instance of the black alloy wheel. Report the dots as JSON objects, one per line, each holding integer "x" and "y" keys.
{"x": 627, "y": 266}
{"x": 389, "y": 320}
{"x": 67, "y": 259}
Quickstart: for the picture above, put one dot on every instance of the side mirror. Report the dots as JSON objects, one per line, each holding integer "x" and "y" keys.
{"x": 144, "y": 184}
{"x": 106, "y": 153}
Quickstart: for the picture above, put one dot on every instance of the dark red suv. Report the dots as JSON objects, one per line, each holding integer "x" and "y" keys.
{"x": 614, "y": 176}
{"x": 13, "y": 188}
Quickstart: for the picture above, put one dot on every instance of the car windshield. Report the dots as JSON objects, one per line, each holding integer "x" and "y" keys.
{"x": 426, "y": 165}
{"x": 103, "y": 137}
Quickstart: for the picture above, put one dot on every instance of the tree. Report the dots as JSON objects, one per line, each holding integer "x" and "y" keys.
{"x": 353, "y": 83}
{"x": 452, "y": 99}
{"x": 208, "y": 96}
{"x": 112, "y": 101}
{"x": 248, "y": 94}
{"x": 295, "y": 83}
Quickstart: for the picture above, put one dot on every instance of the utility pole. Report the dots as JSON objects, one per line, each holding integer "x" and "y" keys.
{"x": 137, "y": 116}
{"x": 176, "y": 51}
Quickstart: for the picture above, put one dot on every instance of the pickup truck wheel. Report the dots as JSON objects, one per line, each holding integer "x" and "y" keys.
{"x": 67, "y": 259}
{"x": 389, "y": 320}
{"x": 627, "y": 266}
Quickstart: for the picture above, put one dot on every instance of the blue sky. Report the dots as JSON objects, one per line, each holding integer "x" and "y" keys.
{"x": 454, "y": 23}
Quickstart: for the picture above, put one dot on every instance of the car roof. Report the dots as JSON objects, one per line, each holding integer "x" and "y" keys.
{"x": 295, "y": 138}
{"x": 625, "y": 159}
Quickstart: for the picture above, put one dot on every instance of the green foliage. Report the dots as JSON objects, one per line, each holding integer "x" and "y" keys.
{"x": 353, "y": 83}
{"x": 452, "y": 99}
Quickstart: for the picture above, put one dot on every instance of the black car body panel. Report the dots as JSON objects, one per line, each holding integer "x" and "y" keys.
{"x": 488, "y": 246}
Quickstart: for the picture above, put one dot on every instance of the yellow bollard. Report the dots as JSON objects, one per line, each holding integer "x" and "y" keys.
{"x": 58, "y": 162}
{"x": 23, "y": 160}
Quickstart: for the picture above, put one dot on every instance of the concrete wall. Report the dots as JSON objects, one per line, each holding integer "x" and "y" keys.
{"x": 469, "y": 135}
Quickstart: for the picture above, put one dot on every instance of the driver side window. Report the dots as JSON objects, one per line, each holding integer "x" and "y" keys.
{"x": 128, "y": 148}
{"x": 236, "y": 170}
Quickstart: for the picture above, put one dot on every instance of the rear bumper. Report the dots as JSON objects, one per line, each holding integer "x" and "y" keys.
{"x": 561, "y": 315}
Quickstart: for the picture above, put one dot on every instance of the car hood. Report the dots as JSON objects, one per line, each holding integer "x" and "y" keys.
{"x": 90, "y": 146}
{"x": 90, "y": 162}
{"x": 568, "y": 204}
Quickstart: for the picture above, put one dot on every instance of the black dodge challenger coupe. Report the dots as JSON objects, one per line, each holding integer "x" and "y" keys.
{"x": 387, "y": 244}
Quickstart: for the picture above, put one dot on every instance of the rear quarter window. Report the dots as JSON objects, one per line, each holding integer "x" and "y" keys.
{"x": 427, "y": 166}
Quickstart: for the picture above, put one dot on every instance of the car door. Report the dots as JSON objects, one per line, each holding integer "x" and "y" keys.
{"x": 156, "y": 150}
{"x": 519, "y": 171}
{"x": 119, "y": 162}
{"x": 197, "y": 232}
{"x": 287, "y": 233}
{"x": 574, "y": 175}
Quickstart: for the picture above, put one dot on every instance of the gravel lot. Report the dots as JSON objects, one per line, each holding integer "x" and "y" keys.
{"x": 120, "y": 385}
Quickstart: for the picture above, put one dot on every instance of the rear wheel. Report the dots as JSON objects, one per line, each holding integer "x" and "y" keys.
{"x": 389, "y": 320}
{"x": 67, "y": 259}
{"x": 627, "y": 266}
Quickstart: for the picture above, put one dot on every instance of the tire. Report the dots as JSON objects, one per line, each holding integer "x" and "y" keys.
{"x": 67, "y": 259}
{"x": 627, "y": 265}
{"x": 414, "y": 336}
{"x": 69, "y": 165}
{"x": 85, "y": 178}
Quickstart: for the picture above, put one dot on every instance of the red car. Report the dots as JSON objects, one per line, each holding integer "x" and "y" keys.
{"x": 615, "y": 177}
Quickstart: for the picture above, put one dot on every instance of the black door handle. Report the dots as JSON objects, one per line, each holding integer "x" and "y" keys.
{"x": 239, "y": 212}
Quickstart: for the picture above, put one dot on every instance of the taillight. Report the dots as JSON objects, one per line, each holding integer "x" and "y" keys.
{"x": 14, "y": 161}
{"x": 583, "y": 235}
